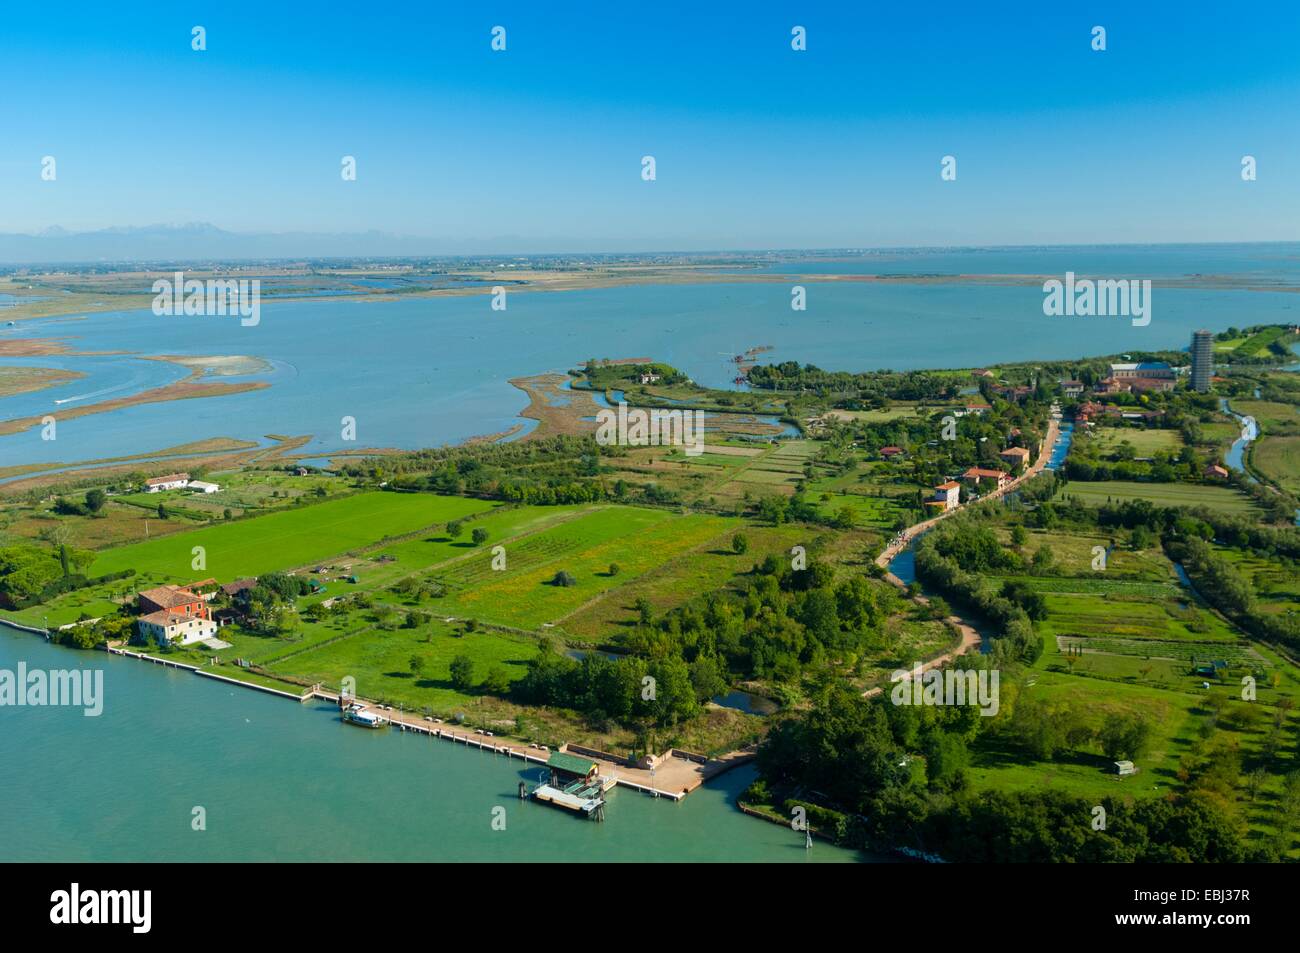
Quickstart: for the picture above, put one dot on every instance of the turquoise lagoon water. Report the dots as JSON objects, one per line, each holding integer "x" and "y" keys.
{"x": 425, "y": 372}
{"x": 283, "y": 781}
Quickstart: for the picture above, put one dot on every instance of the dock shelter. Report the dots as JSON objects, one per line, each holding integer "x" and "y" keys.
{"x": 571, "y": 766}
{"x": 574, "y": 785}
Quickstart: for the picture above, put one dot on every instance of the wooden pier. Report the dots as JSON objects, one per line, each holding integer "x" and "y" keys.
{"x": 674, "y": 778}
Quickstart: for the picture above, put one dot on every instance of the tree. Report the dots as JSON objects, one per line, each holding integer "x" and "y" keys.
{"x": 162, "y": 512}
{"x": 462, "y": 672}
{"x": 707, "y": 678}
{"x": 497, "y": 680}
{"x": 59, "y": 536}
{"x": 416, "y": 664}
{"x": 1019, "y": 536}
{"x": 455, "y": 529}
{"x": 740, "y": 544}
{"x": 946, "y": 760}
{"x": 479, "y": 536}
{"x": 773, "y": 509}
{"x": 615, "y": 569}
{"x": 1123, "y": 736}
{"x": 95, "y": 500}
{"x": 939, "y": 607}
{"x": 563, "y": 578}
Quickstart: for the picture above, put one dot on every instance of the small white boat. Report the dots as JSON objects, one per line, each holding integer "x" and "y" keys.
{"x": 361, "y": 716}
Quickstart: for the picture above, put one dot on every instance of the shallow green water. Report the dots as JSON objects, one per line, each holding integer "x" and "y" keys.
{"x": 281, "y": 781}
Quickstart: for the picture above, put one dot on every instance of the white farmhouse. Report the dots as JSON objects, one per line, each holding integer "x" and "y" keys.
{"x": 172, "y": 481}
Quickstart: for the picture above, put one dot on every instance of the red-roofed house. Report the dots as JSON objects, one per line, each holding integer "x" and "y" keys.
{"x": 1016, "y": 455}
{"x": 177, "y": 598}
{"x": 889, "y": 453}
{"x": 946, "y": 495}
{"x": 975, "y": 474}
{"x": 170, "y": 626}
{"x": 174, "y": 614}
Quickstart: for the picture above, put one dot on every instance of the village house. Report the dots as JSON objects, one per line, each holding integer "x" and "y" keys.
{"x": 167, "y": 627}
{"x": 1018, "y": 456}
{"x": 203, "y": 487}
{"x": 1073, "y": 388}
{"x": 174, "y": 614}
{"x": 172, "y": 481}
{"x": 233, "y": 589}
{"x": 1215, "y": 472}
{"x": 178, "y": 598}
{"x": 975, "y": 474}
{"x": 649, "y": 378}
{"x": 889, "y": 453}
{"x": 947, "y": 496}
{"x": 1091, "y": 409}
{"x": 1016, "y": 393}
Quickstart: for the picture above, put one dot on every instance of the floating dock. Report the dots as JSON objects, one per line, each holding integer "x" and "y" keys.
{"x": 572, "y": 783}
{"x": 587, "y": 799}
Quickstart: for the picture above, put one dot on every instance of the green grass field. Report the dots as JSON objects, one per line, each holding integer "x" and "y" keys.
{"x": 1165, "y": 494}
{"x": 1131, "y": 617}
{"x": 708, "y": 567}
{"x": 867, "y": 510}
{"x": 1272, "y": 416}
{"x": 885, "y": 414}
{"x": 1127, "y": 642}
{"x": 1277, "y": 583}
{"x": 287, "y": 539}
{"x": 637, "y": 540}
{"x": 997, "y": 765}
{"x": 1074, "y": 552}
{"x": 380, "y": 663}
{"x": 1145, "y": 443}
{"x": 1278, "y": 458}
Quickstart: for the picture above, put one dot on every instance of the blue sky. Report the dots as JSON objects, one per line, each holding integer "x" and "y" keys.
{"x": 756, "y": 145}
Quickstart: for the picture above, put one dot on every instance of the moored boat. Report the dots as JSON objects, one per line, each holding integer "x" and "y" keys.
{"x": 363, "y": 717}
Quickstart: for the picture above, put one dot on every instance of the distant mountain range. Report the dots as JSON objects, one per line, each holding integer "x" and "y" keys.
{"x": 164, "y": 243}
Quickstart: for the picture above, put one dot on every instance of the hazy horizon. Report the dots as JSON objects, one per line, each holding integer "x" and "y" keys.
{"x": 56, "y": 246}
